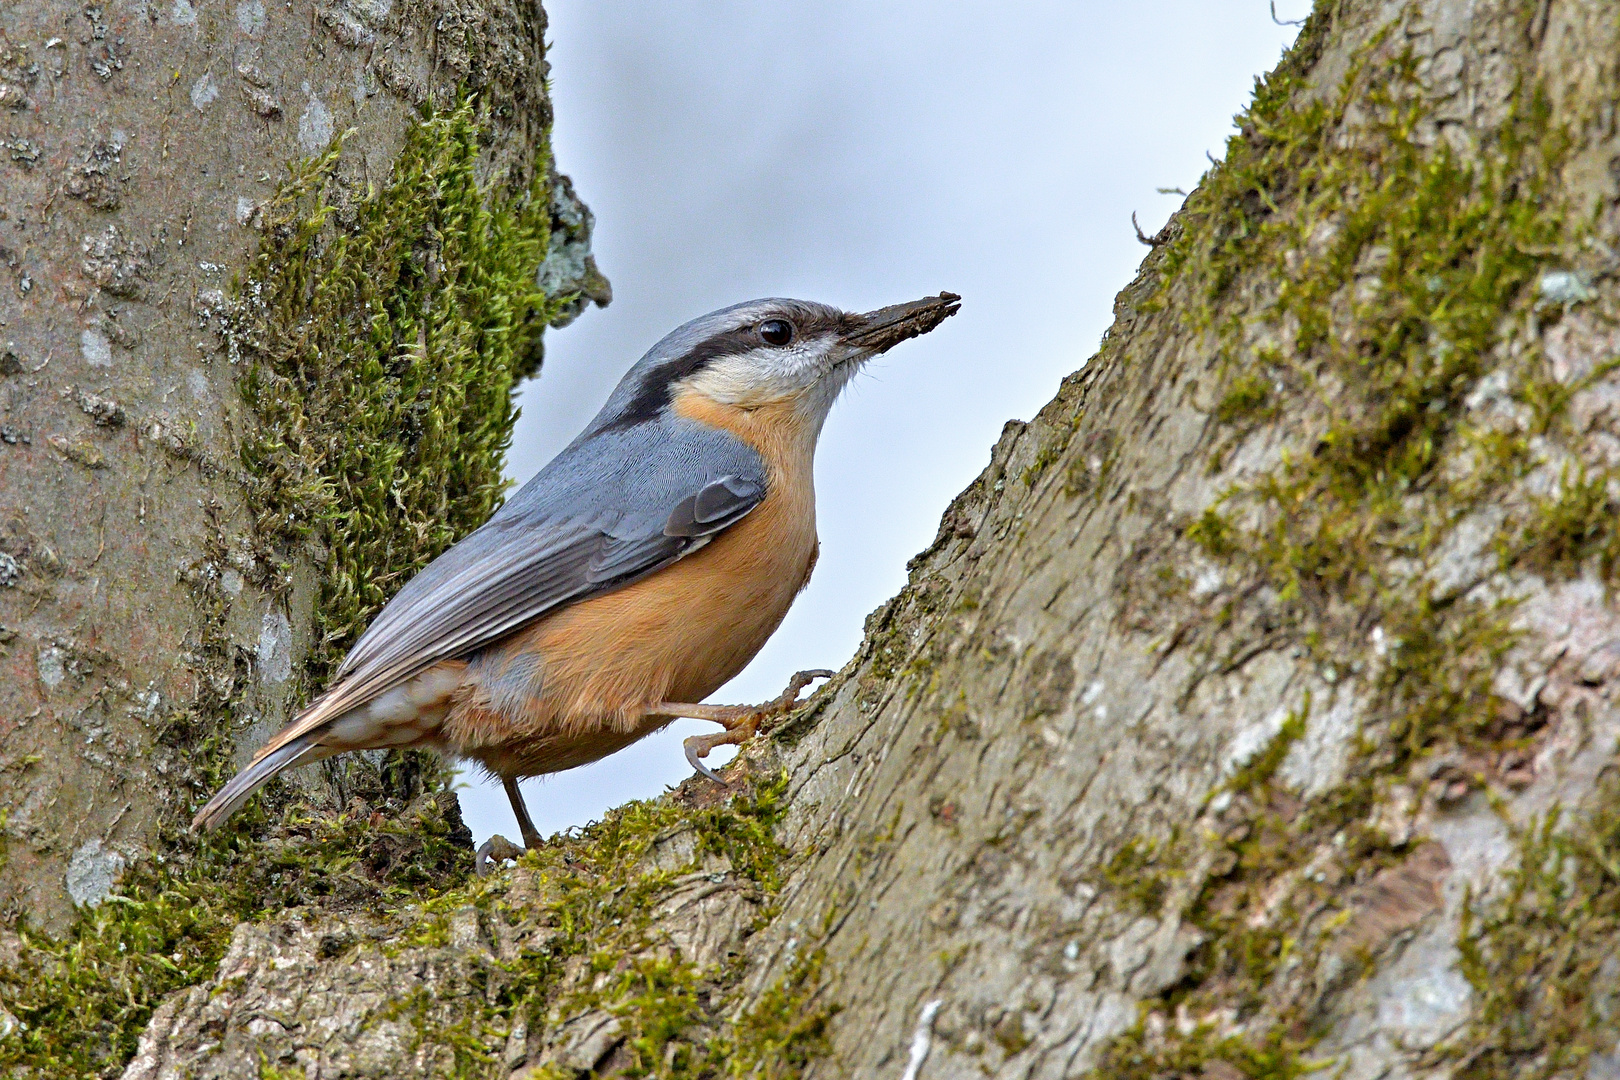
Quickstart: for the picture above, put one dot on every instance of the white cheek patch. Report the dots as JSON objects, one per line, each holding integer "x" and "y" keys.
{"x": 763, "y": 375}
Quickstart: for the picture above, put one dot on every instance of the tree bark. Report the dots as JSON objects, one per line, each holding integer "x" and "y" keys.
{"x": 1251, "y": 713}
{"x": 166, "y": 589}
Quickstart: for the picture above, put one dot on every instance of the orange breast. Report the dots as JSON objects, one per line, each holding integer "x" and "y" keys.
{"x": 675, "y": 636}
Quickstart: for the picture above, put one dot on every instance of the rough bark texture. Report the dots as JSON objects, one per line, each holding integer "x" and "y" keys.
{"x": 143, "y": 142}
{"x": 187, "y": 495}
{"x": 1252, "y": 712}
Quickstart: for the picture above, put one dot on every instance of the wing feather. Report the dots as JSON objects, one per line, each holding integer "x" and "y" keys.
{"x": 537, "y": 555}
{"x": 713, "y": 507}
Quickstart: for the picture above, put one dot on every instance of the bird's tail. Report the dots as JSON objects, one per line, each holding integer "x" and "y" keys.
{"x": 231, "y": 797}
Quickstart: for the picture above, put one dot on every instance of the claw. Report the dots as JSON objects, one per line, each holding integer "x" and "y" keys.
{"x": 788, "y": 700}
{"x": 697, "y": 748}
{"x": 492, "y": 852}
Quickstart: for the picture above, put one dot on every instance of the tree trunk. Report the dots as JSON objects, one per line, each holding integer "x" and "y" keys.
{"x": 1251, "y": 713}
{"x": 270, "y": 271}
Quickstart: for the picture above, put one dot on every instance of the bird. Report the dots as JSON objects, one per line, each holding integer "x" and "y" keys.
{"x": 632, "y": 577}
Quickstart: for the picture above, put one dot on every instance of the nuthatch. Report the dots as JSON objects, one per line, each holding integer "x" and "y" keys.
{"x": 632, "y": 577}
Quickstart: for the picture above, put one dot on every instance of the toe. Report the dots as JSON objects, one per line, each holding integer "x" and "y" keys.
{"x": 800, "y": 680}
{"x": 492, "y": 853}
{"x": 483, "y": 859}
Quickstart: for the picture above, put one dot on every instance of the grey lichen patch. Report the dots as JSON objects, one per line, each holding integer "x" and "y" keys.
{"x": 275, "y": 647}
{"x": 569, "y": 266}
{"x": 92, "y": 873}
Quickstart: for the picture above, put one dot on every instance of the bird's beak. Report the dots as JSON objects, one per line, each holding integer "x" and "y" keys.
{"x": 881, "y": 330}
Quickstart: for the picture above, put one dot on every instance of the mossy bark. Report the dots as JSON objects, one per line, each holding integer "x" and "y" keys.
{"x": 269, "y": 274}
{"x": 1252, "y": 714}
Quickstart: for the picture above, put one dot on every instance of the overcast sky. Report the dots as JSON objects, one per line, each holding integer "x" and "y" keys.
{"x": 863, "y": 154}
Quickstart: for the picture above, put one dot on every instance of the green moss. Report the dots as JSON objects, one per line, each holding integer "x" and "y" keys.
{"x": 1248, "y": 397}
{"x": 1574, "y": 525}
{"x": 467, "y": 1036}
{"x": 1052, "y": 441}
{"x": 662, "y": 1003}
{"x": 745, "y": 834}
{"x": 1540, "y": 956}
{"x": 656, "y": 1000}
{"x": 1390, "y": 274}
{"x": 785, "y": 1030}
{"x": 1080, "y": 478}
{"x": 1214, "y": 533}
{"x": 596, "y": 893}
{"x": 379, "y": 347}
{"x": 379, "y": 362}
{"x": 1203, "y": 1052}
{"x": 1407, "y": 268}
{"x": 1435, "y": 687}
{"x": 1009, "y": 1034}
{"x": 1143, "y": 872}
{"x": 1442, "y": 245}
{"x": 1262, "y": 768}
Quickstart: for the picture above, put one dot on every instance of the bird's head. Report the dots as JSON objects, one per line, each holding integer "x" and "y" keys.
{"x": 763, "y": 353}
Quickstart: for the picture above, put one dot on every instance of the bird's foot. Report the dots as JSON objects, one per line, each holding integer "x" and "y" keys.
{"x": 698, "y": 746}
{"x": 492, "y": 852}
{"x": 742, "y": 721}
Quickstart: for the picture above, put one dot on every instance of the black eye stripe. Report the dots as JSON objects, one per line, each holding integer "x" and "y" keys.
{"x": 654, "y": 393}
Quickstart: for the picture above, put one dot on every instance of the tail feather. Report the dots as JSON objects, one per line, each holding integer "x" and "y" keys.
{"x": 231, "y": 797}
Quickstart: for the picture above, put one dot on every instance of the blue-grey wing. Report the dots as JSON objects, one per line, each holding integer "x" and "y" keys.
{"x": 609, "y": 510}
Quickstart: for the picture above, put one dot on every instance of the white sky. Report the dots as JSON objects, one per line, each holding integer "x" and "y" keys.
{"x": 862, "y": 154}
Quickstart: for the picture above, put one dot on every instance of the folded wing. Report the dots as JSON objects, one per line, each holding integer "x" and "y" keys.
{"x": 578, "y": 529}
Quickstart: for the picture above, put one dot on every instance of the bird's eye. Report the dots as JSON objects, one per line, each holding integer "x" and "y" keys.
{"x": 776, "y": 331}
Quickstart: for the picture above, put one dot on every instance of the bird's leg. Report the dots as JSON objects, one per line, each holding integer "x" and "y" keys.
{"x": 497, "y": 849}
{"x": 741, "y": 722}
{"x": 526, "y": 829}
